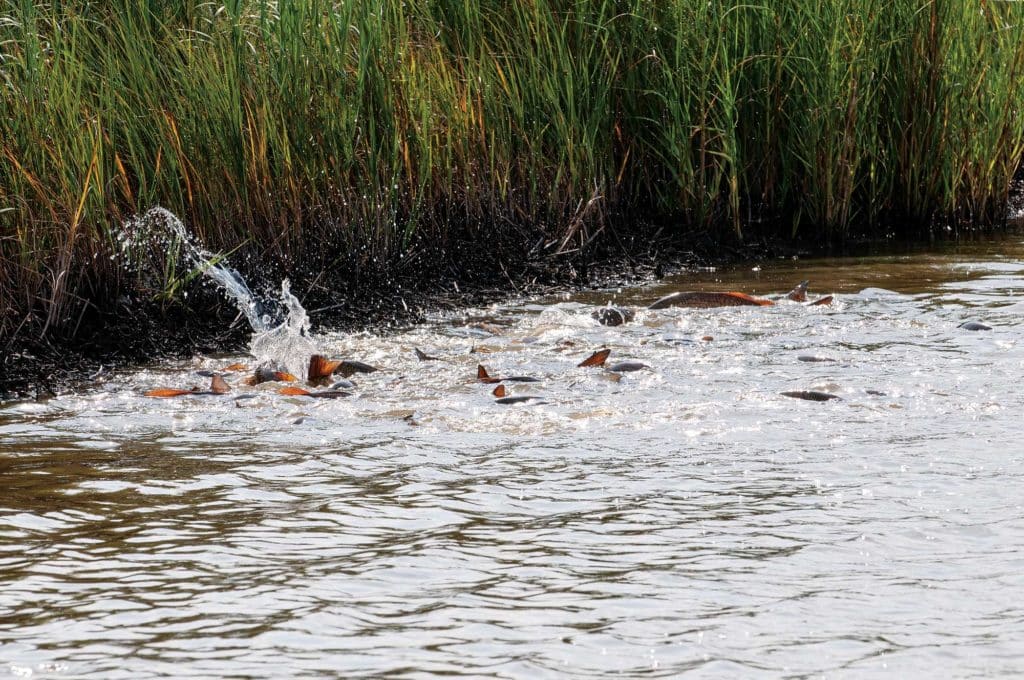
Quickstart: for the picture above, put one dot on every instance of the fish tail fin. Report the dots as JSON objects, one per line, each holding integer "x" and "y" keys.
{"x": 320, "y": 367}
{"x": 218, "y": 385}
{"x": 596, "y": 359}
{"x": 799, "y": 293}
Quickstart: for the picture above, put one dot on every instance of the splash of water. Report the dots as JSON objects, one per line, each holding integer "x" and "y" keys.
{"x": 280, "y": 327}
{"x": 287, "y": 344}
{"x": 212, "y": 265}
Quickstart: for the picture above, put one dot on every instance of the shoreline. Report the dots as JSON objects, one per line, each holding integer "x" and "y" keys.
{"x": 139, "y": 331}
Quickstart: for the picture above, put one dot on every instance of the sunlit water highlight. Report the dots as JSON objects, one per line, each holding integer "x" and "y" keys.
{"x": 686, "y": 519}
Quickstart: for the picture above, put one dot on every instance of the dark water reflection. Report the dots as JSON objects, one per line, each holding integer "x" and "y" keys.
{"x": 685, "y": 520}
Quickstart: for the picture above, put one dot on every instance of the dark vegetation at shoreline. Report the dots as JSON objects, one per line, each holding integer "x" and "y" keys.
{"x": 354, "y": 146}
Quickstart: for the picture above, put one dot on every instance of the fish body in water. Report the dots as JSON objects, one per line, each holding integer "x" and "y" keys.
{"x": 503, "y": 397}
{"x": 342, "y": 385}
{"x": 292, "y": 391}
{"x": 483, "y": 376}
{"x": 626, "y": 366}
{"x": 811, "y": 395}
{"x": 519, "y": 399}
{"x": 321, "y": 369}
{"x": 217, "y": 386}
{"x": 975, "y": 326}
{"x": 613, "y": 316}
{"x": 264, "y": 374}
{"x": 350, "y": 367}
{"x": 708, "y": 300}
{"x": 616, "y": 316}
{"x": 600, "y": 358}
{"x": 799, "y": 293}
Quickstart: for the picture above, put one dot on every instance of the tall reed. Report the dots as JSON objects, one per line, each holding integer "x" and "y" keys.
{"x": 347, "y": 135}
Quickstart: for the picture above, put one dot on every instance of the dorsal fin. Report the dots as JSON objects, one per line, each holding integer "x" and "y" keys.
{"x": 500, "y": 391}
{"x": 483, "y": 376}
{"x": 596, "y": 359}
{"x": 320, "y": 367}
{"x": 293, "y": 391}
{"x": 827, "y": 300}
{"x": 218, "y": 385}
{"x": 423, "y": 356}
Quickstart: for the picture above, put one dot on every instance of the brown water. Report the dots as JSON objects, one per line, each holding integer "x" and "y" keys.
{"x": 684, "y": 520}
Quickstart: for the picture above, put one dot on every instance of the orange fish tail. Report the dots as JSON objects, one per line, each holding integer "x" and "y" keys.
{"x": 596, "y": 359}
{"x": 164, "y": 392}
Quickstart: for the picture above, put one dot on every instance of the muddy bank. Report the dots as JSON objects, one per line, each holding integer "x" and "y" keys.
{"x": 134, "y": 329}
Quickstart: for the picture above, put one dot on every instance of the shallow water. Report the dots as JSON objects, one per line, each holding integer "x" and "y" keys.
{"x": 683, "y": 520}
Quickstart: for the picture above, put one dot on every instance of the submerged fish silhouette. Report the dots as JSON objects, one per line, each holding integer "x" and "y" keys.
{"x": 264, "y": 374}
{"x": 483, "y": 376}
{"x": 293, "y": 391}
{"x": 600, "y": 358}
{"x": 519, "y": 399}
{"x": 503, "y": 397}
{"x": 813, "y": 358}
{"x": 810, "y": 395}
{"x": 707, "y": 300}
{"x": 626, "y": 366}
{"x": 350, "y": 367}
{"x": 217, "y": 386}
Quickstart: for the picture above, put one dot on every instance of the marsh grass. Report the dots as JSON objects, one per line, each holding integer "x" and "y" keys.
{"x": 358, "y": 135}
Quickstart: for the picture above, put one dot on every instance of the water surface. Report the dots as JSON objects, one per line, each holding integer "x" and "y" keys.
{"x": 682, "y": 520}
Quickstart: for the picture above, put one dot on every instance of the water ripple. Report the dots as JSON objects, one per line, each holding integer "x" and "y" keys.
{"x": 683, "y": 520}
